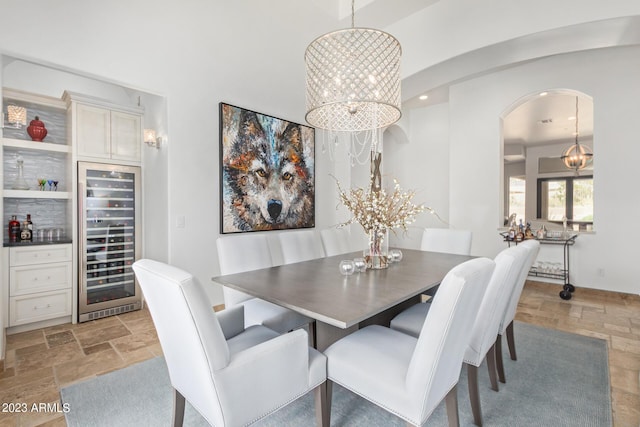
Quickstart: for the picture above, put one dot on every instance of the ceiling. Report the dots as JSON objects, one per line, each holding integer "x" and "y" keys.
{"x": 537, "y": 120}
{"x": 549, "y": 118}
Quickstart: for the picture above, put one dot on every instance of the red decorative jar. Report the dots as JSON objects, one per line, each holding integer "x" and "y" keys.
{"x": 36, "y": 130}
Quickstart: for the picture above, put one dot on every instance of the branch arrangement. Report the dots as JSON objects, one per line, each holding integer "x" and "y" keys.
{"x": 375, "y": 210}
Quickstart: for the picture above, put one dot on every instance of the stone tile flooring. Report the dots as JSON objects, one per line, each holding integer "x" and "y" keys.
{"x": 39, "y": 363}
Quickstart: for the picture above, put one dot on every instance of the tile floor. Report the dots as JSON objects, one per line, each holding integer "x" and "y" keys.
{"x": 39, "y": 363}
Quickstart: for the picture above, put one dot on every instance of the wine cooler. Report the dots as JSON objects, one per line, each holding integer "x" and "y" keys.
{"x": 109, "y": 236}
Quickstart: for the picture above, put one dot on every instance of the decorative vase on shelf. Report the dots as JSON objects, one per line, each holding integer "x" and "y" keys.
{"x": 21, "y": 183}
{"x": 376, "y": 254}
{"x": 36, "y": 130}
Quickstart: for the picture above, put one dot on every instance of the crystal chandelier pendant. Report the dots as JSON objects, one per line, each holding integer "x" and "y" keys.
{"x": 577, "y": 156}
{"x": 353, "y": 80}
{"x": 353, "y": 85}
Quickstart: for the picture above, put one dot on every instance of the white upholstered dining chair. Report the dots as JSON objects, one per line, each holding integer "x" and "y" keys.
{"x": 300, "y": 245}
{"x": 335, "y": 241}
{"x": 446, "y": 240}
{"x": 506, "y": 325}
{"x": 232, "y": 375}
{"x": 481, "y": 346}
{"x": 410, "y": 376}
{"x": 239, "y": 253}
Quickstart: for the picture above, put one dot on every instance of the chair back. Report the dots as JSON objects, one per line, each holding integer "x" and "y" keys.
{"x": 237, "y": 254}
{"x": 335, "y": 241}
{"x": 190, "y": 335}
{"x": 533, "y": 247}
{"x": 437, "y": 359}
{"x": 301, "y": 245}
{"x": 446, "y": 240}
{"x": 509, "y": 264}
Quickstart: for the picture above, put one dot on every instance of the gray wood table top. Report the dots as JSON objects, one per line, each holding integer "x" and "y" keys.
{"x": 317, "y": 289}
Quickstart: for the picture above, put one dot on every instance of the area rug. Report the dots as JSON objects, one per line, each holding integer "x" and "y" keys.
{"x": 559, "y": 379}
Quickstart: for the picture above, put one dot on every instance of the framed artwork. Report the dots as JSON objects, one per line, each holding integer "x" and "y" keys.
{"x": 267, "y": 168}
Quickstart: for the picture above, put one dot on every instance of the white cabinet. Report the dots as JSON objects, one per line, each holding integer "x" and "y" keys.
{"x": 40, "y": 283}
{"x": 93, "y": 131}
{"x": 38, "y": 278}
{"x": 105, "y": 131}
{"x": 126, "y": 136}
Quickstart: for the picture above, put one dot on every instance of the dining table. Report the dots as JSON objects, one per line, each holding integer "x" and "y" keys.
{"x": 341, "y": 304}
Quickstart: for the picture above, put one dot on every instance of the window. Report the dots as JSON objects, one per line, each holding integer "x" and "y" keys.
{"x": 517, "y": 186}
{"x": 571, "y": 197}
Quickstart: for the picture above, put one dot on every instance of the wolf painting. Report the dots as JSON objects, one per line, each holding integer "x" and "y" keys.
{"x": 267, "y": 168}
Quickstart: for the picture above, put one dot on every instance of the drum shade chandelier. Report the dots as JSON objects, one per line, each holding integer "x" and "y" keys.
{"x": 577, "y": 156}
{"x": 353, "y": 80}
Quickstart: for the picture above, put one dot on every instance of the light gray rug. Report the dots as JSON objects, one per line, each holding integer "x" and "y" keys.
{"x": 560, "y": 379}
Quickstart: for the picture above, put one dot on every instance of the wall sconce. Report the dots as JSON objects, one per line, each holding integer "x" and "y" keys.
{"x": 151, "y": 139}
{"x": 16, "y": 116}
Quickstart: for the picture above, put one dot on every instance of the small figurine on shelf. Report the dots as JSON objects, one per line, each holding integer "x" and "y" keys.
{"x": 541, "y": 233}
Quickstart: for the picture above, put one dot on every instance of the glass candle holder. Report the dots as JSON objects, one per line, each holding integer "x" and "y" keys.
{"x": 347, "y": 267}
{"x": 360, "y": 265}
{"x": 395, "y": 255}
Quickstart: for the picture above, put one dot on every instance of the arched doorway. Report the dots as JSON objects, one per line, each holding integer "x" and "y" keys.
{"x": 537, "y": 186}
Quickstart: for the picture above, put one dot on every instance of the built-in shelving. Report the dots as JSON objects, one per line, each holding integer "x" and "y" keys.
{"x": 34, "y": 194}
{"x": 37, "y": 146}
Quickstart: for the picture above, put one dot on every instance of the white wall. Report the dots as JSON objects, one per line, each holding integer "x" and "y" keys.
{"x": 422, "y": 164}
{"x": 197, "y": 53}
{"x": 610, "y": 76}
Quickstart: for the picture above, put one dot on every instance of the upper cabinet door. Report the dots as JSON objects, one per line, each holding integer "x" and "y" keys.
{"x": 126, "y": 136}
{"x": 93, "y": 131}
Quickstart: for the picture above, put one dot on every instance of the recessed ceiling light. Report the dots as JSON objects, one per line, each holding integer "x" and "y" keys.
{"x": 423, "y": 97}
{"x": 544, "y": 93}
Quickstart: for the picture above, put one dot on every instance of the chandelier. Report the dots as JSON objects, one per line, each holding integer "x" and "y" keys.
{"x": 353, "y": 81}
{"x": 577, "y": 156}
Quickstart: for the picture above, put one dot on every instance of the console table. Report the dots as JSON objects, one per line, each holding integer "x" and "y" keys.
{"x": 566, "y": 241}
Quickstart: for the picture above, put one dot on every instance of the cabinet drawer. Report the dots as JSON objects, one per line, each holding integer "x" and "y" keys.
{"x": 27, "y": 279}
{"x": 30, "y": 255}
{"x": 34, "y": 308}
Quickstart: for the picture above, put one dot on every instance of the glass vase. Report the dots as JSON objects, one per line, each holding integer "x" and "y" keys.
{"x": 376, "y": 254}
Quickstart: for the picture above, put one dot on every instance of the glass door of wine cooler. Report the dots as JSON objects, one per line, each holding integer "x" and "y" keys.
{"x": 110, "y": 239}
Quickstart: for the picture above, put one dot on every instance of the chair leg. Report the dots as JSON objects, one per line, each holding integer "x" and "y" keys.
{"x": 178, "y": 408}
{"x": 499, "y": 363}
{"x": 312, "y": 334}
{"x": 322, "y": 395}
{"x": 451, "y": 401}
{"x": 511, "y": 341}
{"x": 491, "y": 366}
{"x": 474, "y": 394}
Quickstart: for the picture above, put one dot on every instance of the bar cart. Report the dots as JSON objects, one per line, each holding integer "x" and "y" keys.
{"x": 566, "y": 240}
